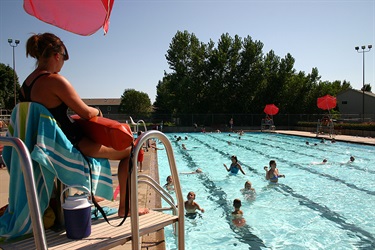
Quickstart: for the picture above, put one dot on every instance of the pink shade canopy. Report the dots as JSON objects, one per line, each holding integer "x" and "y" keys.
{"x": 81, "y": 17}
{"x": 326, "y": 102}
{"x": 271, "y": 109}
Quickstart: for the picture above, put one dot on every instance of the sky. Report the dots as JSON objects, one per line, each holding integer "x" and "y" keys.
{"x": 317, "y": 33}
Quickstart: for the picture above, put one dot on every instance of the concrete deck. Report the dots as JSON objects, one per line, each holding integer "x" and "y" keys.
{"x": 344, "y": 138}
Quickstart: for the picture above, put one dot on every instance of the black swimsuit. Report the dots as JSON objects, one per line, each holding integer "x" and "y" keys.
{"x": 72, "y": 131}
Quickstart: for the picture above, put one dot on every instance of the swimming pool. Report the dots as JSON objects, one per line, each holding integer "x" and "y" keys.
{"x": 317, "y": 206}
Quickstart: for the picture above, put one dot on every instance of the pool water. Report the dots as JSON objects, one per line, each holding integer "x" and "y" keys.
{"x": 316, "y": 206}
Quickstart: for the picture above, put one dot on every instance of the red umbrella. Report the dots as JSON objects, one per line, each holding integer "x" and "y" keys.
{"x": 81, "y": 17}
{"x": 326, "y": 102}
{"x": 271, "y": 109}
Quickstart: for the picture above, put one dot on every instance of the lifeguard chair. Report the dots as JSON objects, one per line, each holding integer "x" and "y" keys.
{"x": 33, "y": 163}
{"x": 267, "y": 122}
{"x": 325, "y": 124}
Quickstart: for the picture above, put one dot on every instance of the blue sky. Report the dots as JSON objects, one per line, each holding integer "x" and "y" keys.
{"x": 317, "y": 33}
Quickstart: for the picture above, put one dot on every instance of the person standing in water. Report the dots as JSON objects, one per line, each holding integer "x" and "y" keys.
{"x": 234, "y": 166}
{"x": 191, "y": 206}
{"x": 273, "y": 173}
{"x": 237, "y": 214}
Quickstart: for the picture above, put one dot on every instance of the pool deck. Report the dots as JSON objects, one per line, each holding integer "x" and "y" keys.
{"x": 343, "y": 138}
{"x": 155, "y": 241}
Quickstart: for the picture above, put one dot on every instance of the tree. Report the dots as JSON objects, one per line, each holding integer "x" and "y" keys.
{"x": 7, "y": 87}
{"x": 164, "y": 102}
{"x": 135, "y": 102}
{"x": 366, "y": 87}
{"x": 234, "y": 77}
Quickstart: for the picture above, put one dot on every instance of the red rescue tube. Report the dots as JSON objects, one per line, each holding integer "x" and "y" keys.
{"x": 107, "y": 132}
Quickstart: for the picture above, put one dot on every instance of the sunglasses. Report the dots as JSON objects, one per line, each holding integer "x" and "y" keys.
{"x": 65, "y": 55}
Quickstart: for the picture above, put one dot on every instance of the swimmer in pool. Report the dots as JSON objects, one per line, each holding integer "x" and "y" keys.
{"x": 248, "y": 191}
{"x": 191, "y": 206}
{"x": 234, "y": 166}
{"x": 237, "y": 214}
{"x": 248, "y": 188}
{"x": 273, "y": 174}
{"x": 351, "y": 159}
{"x": 197, "y": 171}
{"x": 169, "y": 185}
{"x": 320, "y": 163}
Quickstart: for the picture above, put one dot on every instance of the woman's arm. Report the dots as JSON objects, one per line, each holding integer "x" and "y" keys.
{"x": 268, "y": 174}
{"x": 279, "y": 175}
{"x": 226, "y": 167}
{"x": 239, "y": 166}
{"x": 67, "y": 94}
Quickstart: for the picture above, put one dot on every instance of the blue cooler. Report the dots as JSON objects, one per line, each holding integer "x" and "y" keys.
{"x": 77, "y": 215}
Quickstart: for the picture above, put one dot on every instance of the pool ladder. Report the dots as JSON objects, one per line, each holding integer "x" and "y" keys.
{"x": 177, "y": 210}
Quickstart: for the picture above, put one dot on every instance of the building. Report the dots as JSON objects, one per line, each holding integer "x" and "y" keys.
{"x": 350, "y": 104}
{"x": 108, "y": 106}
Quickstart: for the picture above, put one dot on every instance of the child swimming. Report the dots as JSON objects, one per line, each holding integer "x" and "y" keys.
{"x": 237, "y": 214}
{"x": 191, "y": 206}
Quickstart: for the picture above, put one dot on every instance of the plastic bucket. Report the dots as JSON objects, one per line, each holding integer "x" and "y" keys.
{"x": 77, "y": 214}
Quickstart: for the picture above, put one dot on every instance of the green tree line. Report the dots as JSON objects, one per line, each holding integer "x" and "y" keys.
{"x": 7, "y": 87}
{"x": 235, "y": 76}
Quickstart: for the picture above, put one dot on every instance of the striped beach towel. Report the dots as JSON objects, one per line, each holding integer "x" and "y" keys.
{"x": 53, "y": 155}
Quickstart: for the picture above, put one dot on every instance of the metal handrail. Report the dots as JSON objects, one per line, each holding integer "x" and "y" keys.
{"x": 161, "y": 191}
{"x": 136, "y": 124}
{"x": 134, "y": 187}
{"x": 31, "y": 193}
{"x": 144, "y": 124}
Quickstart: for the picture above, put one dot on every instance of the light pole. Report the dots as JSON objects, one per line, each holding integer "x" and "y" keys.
{"x": 363, "y": 51}
{"x": 16, "y": 42}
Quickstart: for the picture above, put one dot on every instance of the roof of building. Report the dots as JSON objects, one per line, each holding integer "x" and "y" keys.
{"x": 102, "y": 101}
{"x": 358, "y": 91}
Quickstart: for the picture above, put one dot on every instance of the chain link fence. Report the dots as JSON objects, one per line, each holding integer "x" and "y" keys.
{"x": 220, "y": 121}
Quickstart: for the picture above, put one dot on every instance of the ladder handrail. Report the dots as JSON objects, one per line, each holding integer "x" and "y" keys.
{"x": 144, "y": 124}
{"x": 31, "y": 193}
{"x": 134, "y": 188}
{"x": 136, "y": 124}
{"x": 157, "y": 187}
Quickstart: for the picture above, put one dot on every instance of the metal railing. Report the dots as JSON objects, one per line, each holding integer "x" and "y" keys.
{"x": 31, "y": 193}
{"x": 221, "y": 121}
{"x": 134, "y": 187}
{"x": 136, "y": 125}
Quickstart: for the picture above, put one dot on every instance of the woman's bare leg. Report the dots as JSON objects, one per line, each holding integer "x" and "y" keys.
{"x": 93, "y": 149}
{"x": 122, "y": 172}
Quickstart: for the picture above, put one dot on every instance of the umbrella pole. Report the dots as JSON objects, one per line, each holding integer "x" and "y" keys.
{"x": 330, "y": 124}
